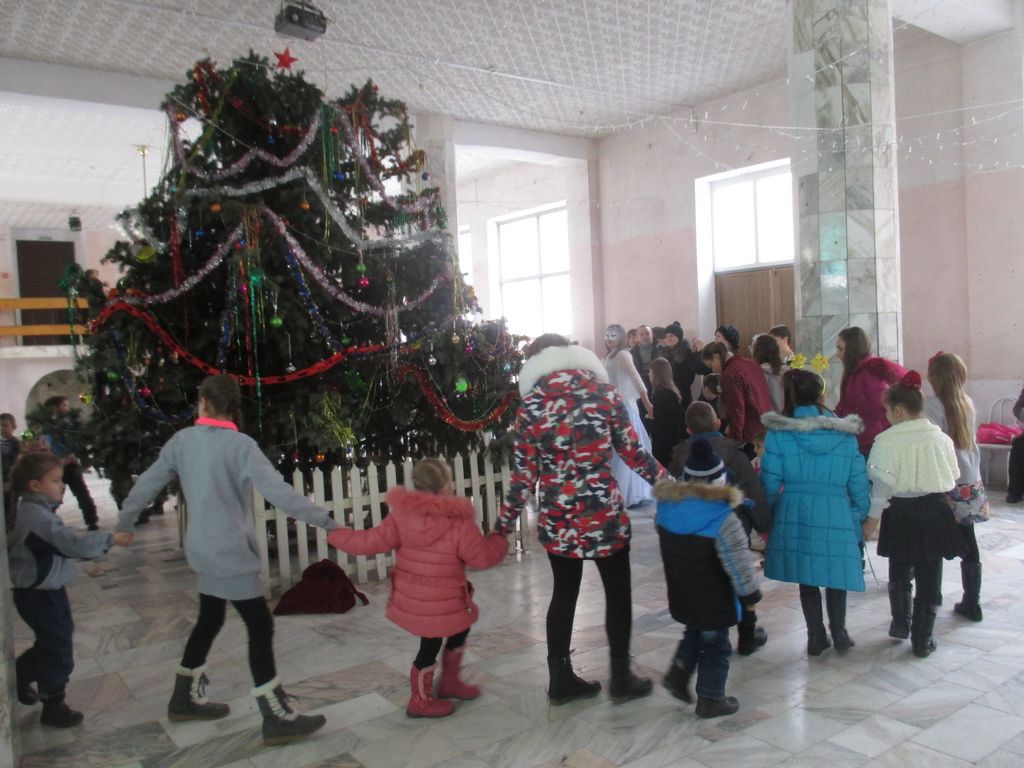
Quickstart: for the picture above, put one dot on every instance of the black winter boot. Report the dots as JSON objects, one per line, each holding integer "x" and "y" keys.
{"x": 626, "y": 685}
{"x": 899, "y": 606}
{"x": 56, "y": 713}
{"x": 750, "y": 637}
{"x": 27, "y": 694}
{"x": 564, "y": 685}
{"x": 970, "y": 606}
{"x": 282, "y": 724}
{"x": 817, "y": 638}
{"x": 677, "y": 682}
{"x": 189, "y": 702}
{"x": 835, "y": 603}
{"x": 708, "y": 708}
{"x": 921, "y": 629}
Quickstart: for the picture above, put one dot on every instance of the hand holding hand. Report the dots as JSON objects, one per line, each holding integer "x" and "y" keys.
{"x": 868, "y": 527}
{"x": 123, "y": 539}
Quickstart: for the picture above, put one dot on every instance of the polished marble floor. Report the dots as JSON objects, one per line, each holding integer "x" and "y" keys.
{"x": 876, "y": 705}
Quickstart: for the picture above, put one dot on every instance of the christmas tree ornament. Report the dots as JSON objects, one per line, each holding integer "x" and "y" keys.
{"x": 361, "y": 268}
{"x": 113, "y": 376}
{"x": 364, "y": 282}
{"x": 277, "y": 322}
{"x": 455, "y": 338}
{"x": 425, "y": 176}
{"x": 431, "y": 360}
{"x": 145, "y": 391}
{"x": 320, "y": 458}
{"x": 181, "y": 116}
{"x": 304, "y": 205}
{"x": 27, "y": 436}
{"x": 85, "y": 397}
{"x": 506, "y": 367}
{"x": 346, "y": 341}
{"x": 461, "y": 385}
{"x": 215, "y": 207}
{"x": 200, "y": 233}
{"x": 339, "y": 175}
{"x": 285, "y": 59}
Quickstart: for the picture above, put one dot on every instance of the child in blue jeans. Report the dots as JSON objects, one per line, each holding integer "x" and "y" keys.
{"x": 707, "y": 564}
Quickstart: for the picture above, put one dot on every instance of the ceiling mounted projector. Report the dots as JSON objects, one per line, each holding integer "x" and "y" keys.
{"x": 300, "y": 19}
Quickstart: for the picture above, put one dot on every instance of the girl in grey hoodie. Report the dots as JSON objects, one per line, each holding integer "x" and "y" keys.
{"x": 218, "y": 467}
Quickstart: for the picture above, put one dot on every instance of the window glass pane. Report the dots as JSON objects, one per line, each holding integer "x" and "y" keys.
{"x": 732, "y": 214}
{"x": 466, "y": 254}
{"x": 521, "y": 306}
{"x": 557, "y": 305}
{"x": 517, "y": 241}
{"x": 775, "y": 218}
{"x": 554, "y": 242}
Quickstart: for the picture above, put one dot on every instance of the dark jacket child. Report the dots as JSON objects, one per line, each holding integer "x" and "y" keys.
{"x": 61, "y": 439}
{"x": 754, "y": 513}
{"x": 707, "y": 564}
{"x": 435, "y": 536}
{"x": 41, "y": 553}
{"x": 668, "y": 422}
{"x": 218, "y": 467}
{"x": 10, "y": 447}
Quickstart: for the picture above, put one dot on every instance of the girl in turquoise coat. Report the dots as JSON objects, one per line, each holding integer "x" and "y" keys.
{"x": 815, "y": 479}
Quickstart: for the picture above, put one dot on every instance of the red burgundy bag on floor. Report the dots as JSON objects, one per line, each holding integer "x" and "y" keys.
{"x": 324, "y": 588}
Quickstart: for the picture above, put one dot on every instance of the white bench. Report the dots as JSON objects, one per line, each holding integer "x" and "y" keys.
{"x": 1001, "y": 412}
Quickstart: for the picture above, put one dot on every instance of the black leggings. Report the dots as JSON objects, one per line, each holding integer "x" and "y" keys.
{"x": 973, "y": 554}
{"x": 927, "y": 575}
{"x": 431, "y": 646}
{"x": 618, "y": 614}
{"x": 259, "y": 626}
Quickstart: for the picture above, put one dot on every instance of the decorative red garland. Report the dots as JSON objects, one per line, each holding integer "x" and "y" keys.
{"x": 312, "y": 370}
{"x": 445, "y": 412}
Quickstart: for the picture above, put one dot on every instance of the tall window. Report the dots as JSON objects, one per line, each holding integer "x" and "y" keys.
{"x": 466, "y": 253}
{"x": 533, "y": 259}
{"x": 752, "y": 217}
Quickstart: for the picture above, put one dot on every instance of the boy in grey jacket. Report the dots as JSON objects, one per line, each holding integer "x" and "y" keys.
{"x": 40, "y": 556}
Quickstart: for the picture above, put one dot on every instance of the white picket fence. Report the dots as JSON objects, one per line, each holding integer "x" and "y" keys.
{"x": 356, "y": 500}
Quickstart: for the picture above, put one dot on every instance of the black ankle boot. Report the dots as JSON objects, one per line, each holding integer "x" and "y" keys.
{"x": 281, "y": 723}
{"x": 970, "y": 606}
{"x": 810, "y": 603}
{"x": 899, "y": 607}
{"x": 835, "y": 603}
{"x": 750, "y": 637}
{"x": 56, "y": 713}
{"x": 564, "y": 685}
{"x": 708, "y": 708}
{"x": 27, "y": 694}
{"x": 921, "y": 629}
{"x": 626, "y": 685}
{"x": 677, "y": 682}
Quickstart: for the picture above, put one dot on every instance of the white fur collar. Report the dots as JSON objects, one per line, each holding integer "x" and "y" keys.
{"x": 547, "y": 361}
{"x": 851, "y": 424}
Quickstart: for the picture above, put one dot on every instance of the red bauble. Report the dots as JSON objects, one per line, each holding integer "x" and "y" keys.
{"x": 364, "y": 282}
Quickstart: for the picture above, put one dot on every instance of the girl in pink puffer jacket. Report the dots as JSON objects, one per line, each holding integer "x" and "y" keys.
{"x": 435, "y": 536}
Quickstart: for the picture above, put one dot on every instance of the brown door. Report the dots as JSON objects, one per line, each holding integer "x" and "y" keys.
{"x": 755, "y": 300}
{"x": 41, "y": 264}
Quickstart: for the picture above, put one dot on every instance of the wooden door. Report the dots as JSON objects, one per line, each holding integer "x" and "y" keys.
{"x": 755, "y": 300}
{"x": 41, "y": 264}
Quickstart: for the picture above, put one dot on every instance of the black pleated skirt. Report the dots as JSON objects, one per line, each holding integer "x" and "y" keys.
{"x": 920, "y": 528}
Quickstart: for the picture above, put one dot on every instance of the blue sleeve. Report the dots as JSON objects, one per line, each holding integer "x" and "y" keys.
{"x": 771, "y": 469}
{"x": 858, "y": 486}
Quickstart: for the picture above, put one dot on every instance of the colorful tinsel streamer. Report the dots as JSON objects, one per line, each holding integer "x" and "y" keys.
{"x": 445, "y": 413}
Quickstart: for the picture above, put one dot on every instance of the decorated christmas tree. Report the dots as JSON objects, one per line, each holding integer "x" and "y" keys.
{"x": 297, "y": 244}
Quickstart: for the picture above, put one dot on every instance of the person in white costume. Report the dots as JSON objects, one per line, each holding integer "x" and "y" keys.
{"x": 623, "y": 375}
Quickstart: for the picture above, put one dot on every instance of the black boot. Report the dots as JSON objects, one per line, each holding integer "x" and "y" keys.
{"x": 626, "y": 685}
{"x": 899, "y": 607}
{"x": 835, "y": 603}
{"x": 970, "y": 606}
{"x": 921, "y": 629}
{"x": 564, "y": 685}
{"x": 27, "y": 694}
{"x": 189, "y": 702}
{"x": 282, "y": 724}
{"x": 677, "y": 682}
{"x": 56, "y": 713}
{"x": 750, "y": 636}
{"x": 817, "y": 638}
{"x": 708, "y": 708}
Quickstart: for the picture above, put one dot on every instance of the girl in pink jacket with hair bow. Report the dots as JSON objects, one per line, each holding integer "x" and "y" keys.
{"x": 435, "y": 536}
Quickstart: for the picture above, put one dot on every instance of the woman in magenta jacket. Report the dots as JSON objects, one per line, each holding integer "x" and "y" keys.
{"x": 865, "y": 379}
{"x": 436, "y": 537}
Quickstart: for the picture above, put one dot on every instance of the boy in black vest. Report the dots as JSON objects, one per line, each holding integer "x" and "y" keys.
{"x": 707, "y": 564}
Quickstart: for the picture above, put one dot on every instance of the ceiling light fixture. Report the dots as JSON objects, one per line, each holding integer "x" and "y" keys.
{"x": 300, "y": 19}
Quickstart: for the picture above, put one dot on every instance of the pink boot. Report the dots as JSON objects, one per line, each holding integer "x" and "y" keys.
{"x": 452, "y": 687}
{"x": 421, "y": 701}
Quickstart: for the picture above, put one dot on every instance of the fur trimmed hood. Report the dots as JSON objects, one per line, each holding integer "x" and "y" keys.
{"x": 673, "y": 490}
{"x": 851, "y": 425}
{"x": 553, "y": 359}
{"x": 406, "y": 501}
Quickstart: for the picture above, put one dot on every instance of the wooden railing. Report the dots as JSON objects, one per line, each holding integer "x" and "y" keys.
{"x": 49, "y": 329}
{"x": 356, "y": 498}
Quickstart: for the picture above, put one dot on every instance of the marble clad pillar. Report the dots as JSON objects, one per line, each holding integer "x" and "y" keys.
{"x": 847, "y": 267}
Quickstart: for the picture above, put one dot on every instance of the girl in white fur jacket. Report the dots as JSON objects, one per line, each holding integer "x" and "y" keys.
{"x": 912, "y": 466}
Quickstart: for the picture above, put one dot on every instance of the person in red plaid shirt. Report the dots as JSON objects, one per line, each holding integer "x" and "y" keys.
{"x": 569, "y": 423}
{"x": 744, "y": 391}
